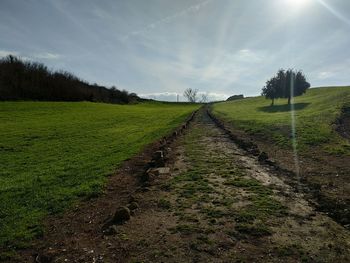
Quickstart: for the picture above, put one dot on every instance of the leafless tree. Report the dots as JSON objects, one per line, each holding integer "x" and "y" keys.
{"x": 191, "y": 94}
{"x": 204, "y": 98}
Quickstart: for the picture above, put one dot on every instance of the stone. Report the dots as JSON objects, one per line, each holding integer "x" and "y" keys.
{"x": 158, "y": 158}
{"x": 163, "y": 170}
{"x": 158, "y": 171}
{"x": 121, "y": 215}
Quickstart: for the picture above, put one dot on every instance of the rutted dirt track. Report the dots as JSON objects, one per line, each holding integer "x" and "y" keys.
{"x": 217, "y": 204}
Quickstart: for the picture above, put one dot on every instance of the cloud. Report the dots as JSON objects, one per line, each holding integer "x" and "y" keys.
{"x": 184, "y": 69}
{"x": 164, "y": 96}
{"x": 248, "y": 55}
{"x": 42, "y": 55}
{"x": 165, "y": 20}
{"x": 228, "y": 73}
{"x": 172, "y": 96}
{"x": 46, "y": 55}
{"x": 325, "y": 75}
{"x": 213, "y": 96}
{"x": 5, "y": 53}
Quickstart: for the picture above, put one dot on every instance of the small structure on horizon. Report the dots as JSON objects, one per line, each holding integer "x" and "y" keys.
{"x": 236, "y": 97}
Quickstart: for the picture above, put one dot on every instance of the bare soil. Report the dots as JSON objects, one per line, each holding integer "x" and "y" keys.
{"x": 343, "y": 123}
{"x": 325, "y": 176}
{"x": 217, "y": 204}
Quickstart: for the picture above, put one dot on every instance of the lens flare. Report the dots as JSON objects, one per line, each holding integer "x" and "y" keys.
{"x": 335, "y": 12}
{"x": 294, "y": 134}
{"x": 297, "y": 3}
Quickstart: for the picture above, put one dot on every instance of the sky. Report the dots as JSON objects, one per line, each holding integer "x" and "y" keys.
{"x": 159, "y": 48}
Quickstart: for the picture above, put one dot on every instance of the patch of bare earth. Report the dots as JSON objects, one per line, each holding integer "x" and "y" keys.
{"x": 326, "y": 175}
{"x": 217, "y": 204}
{"x": 343, "y": 123}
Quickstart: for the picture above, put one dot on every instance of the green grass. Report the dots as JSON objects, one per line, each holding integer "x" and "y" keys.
{"x": 163, "y": 203}
{"x": 251, "y": 219}
{"x": 315, "y": 113}
{"x": 186, "y": 229}
{"x": 54, "y": 153}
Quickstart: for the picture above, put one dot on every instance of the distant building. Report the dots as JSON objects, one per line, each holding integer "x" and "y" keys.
{"x": 235, "y": 97}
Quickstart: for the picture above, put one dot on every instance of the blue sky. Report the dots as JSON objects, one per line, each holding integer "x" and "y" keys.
{"x": 158, "y": 48}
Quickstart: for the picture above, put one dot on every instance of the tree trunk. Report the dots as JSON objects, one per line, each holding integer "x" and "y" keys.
{"x": 273, "y": 102}
{"x": 288, "y": 100}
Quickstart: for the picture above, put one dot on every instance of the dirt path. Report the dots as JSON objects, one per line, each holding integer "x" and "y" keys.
{"x": 218, "y": 205}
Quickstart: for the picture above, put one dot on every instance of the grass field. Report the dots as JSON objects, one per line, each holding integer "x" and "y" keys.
{"x": 315, "y": 114}
{"x": 53, "y": 153}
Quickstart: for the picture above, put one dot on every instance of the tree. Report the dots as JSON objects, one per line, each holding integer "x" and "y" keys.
{"x": 285, "y": 84}
{"x": 191, "y": 94}
{"x": 25, "y": 80}
{"x": 204, "y": 98}
{"x": 301, "y": 85}
{"x": 270, "y": 90}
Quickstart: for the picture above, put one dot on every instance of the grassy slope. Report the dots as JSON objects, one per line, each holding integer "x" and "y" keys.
{"x": 53, "y": 152}
{"x": 315, "y": 112}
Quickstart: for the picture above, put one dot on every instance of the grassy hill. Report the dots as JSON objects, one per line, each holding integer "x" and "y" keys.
{"x": 313, "y": 149}
{"x": 315, "y": 114}
{"x": 52, "y": 153}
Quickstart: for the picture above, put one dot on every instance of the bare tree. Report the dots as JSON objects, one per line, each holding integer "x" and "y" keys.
{"x": 191, "y": 94}
{"x": 204, "y": 98}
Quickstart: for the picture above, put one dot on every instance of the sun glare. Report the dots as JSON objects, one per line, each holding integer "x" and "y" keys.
{"x": 298, "y": 3}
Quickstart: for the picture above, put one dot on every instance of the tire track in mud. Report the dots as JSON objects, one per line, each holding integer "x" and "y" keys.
{"x": 221, "y": 205}
{"x": 218, "y": 204}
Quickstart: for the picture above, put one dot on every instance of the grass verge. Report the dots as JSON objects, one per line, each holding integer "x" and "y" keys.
{"x": 54, "y": 153}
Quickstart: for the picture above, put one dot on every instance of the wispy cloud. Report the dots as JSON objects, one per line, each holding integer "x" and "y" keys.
{"x": 325, "y": 75}
{"x": 224, "y": 74}
{"x": 46, "y": 55}
{"x": 226, "y": 47}
{"x": 4, "y": 53}
{"x": 191, "y": 9}
{"x": 33, "y": 56}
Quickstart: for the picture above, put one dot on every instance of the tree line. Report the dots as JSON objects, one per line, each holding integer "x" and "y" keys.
{"x": 25, "y": 80}
{"x": 285, "y": 84}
